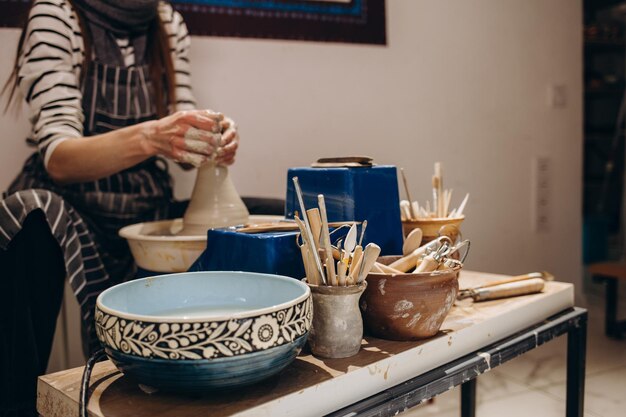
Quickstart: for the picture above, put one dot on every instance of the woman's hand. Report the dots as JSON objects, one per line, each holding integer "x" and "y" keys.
{"x": 191, "y": 136}
{"x": 229, "y": 144}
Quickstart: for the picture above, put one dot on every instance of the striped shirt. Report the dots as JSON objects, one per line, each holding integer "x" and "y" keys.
{"x": 50, "y": 68}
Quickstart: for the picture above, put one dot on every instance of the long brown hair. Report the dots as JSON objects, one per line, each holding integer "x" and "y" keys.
{"x": 159, "y": 57}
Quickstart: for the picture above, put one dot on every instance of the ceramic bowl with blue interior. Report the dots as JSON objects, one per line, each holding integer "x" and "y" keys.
{"x": 200, "y": 331}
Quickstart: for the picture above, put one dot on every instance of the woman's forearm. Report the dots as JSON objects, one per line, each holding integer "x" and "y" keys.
{"x": 186, "y": 136}
{"x": 91, "y": 158}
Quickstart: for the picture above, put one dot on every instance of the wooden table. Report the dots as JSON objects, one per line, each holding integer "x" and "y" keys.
{"x": 385, "y": 377}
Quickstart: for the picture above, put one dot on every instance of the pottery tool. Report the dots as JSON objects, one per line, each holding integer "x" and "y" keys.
{"x": 341, "y": 273}
{"x": 330, "y": 263}
{"x": 412, "y": 213}
{"x": 510, "y": 289}
{"x": 370, "y": 254}
{"x": 386, "y": 269}
{"x": 318, "y": 262}
{"x": 316, "y": 224}
{"x": 459, "y": 211}
{"x": 363, "y": 227}
{"x": 440, "y": 198}
{"x": 282, "y": 226}
{"x": 344, "y": 161}
{"x": 350, "y": 242}
{"x": 355, "y": 264}
{"x": 405, "y": 210}
{"x": 315, "y": 278}
{"x": 432, "y": 261}
{"x": 412, "y": 241}
{"x": 435, "y": 183}
{"x": 408, "y": 262}
{"x": 546, "y": 276}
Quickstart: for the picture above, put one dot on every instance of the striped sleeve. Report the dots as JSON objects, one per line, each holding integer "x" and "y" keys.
{"x": 180, "y": 42}
{"x": 48, "y": 75}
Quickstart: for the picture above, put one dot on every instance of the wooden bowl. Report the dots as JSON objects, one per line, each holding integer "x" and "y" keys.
{"x": 432, "y": 227}
{"x": 408, "y": 306}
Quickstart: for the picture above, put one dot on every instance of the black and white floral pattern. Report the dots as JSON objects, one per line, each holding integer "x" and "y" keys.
{"x": 204, "y": 340}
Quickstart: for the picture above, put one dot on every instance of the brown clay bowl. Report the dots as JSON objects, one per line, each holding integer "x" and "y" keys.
{"x": 432, "y": 227}
{"x": 408, "y": 306}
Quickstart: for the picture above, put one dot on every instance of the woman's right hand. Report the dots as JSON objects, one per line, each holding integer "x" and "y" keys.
{"x": 189, "y": 136}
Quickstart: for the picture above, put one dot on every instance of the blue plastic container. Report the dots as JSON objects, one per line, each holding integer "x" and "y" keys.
{"x": 268, "y": 253}
{"x": 354, "y": 194}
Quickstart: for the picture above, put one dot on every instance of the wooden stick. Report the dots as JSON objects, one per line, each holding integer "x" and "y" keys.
{"x": 370, "y": 254}
{"x": 459, "y": 211}
{"x": 408, "y": 194}
{"x": 330, "y": 263}
{"x": 314, "y": 278}
{"x": 440, "y": 201}
{"x": 387, "y": 269}
{"x": 355, "y": 264}
{"x": 318, "y": 262}
{"x": 316, "y": 225}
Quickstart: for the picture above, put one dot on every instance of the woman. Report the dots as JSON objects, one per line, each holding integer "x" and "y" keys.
{"x": 107, "y": 84}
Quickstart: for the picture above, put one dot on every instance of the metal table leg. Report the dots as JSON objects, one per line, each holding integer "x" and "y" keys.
{"x": 576, "y": 354}
{"x": 468, "y": 398}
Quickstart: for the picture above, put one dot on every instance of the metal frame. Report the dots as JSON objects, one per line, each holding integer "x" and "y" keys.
{"x": 612, "y": 326}
{"x": 465, "y": 370}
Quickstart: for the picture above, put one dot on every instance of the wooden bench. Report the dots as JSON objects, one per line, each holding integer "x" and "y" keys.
{"x": 610, "y": 273}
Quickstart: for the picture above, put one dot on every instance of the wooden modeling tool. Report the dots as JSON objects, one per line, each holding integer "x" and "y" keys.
{"x": 408, "y": 262}
{"x": 315, "y": 277}
{"x": 316, "y": 225}
{"x": 440, "y": 199}
{"x": 318, "y": 262}
{"x": 325, "y": 236}
{"x": 355, "y": 264}
{"x": 386, "y": 269}
{"x": 413, "y": 214}
{"x": 509, "y": 289}
{"x": 412, "y": 241}
{"x": 459, "y": 211}
{"x": 370, "y": 254}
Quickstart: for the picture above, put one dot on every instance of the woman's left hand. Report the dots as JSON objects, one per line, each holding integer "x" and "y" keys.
{"x": 229, "y": 144}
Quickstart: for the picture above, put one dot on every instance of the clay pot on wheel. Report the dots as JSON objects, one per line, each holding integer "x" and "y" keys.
{"x": 214, "y": 202}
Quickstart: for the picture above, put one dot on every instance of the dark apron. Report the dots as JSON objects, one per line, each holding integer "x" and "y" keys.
{"x": 86, "y": 217}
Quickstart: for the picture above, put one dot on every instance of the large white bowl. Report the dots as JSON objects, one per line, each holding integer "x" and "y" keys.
{"x": 157, "y": 247}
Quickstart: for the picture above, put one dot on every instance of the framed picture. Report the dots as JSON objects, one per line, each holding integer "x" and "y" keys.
{"x": 353, "y": 21}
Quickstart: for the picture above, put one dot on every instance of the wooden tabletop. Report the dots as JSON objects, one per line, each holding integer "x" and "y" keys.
{"x": 312, "y": 386}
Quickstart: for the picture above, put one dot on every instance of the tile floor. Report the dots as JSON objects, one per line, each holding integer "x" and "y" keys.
{"x": 534, "y": 383}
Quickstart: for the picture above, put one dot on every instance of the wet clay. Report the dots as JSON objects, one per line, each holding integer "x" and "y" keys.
{"x": 214, "y": 202}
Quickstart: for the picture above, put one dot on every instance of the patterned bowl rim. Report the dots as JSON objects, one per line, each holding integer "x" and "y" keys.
{"x": 224, "y": 359}
{"x": 171, "y": 319}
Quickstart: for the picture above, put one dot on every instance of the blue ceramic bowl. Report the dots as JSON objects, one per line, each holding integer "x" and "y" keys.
{"x": 199, "y": 331}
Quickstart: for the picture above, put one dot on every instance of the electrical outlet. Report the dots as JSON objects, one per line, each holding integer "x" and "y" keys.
{"x": 557, "y": 96}
{"x": 542, "y": 194}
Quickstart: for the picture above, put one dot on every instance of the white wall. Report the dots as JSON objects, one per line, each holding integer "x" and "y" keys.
{"x": 461, "y": 82}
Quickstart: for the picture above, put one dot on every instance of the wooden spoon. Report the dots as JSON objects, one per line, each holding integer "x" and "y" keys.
{"x": 412, "y": 241}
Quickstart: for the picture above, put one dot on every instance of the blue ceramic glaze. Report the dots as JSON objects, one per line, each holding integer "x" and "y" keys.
{"x": 207, "y": 375}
